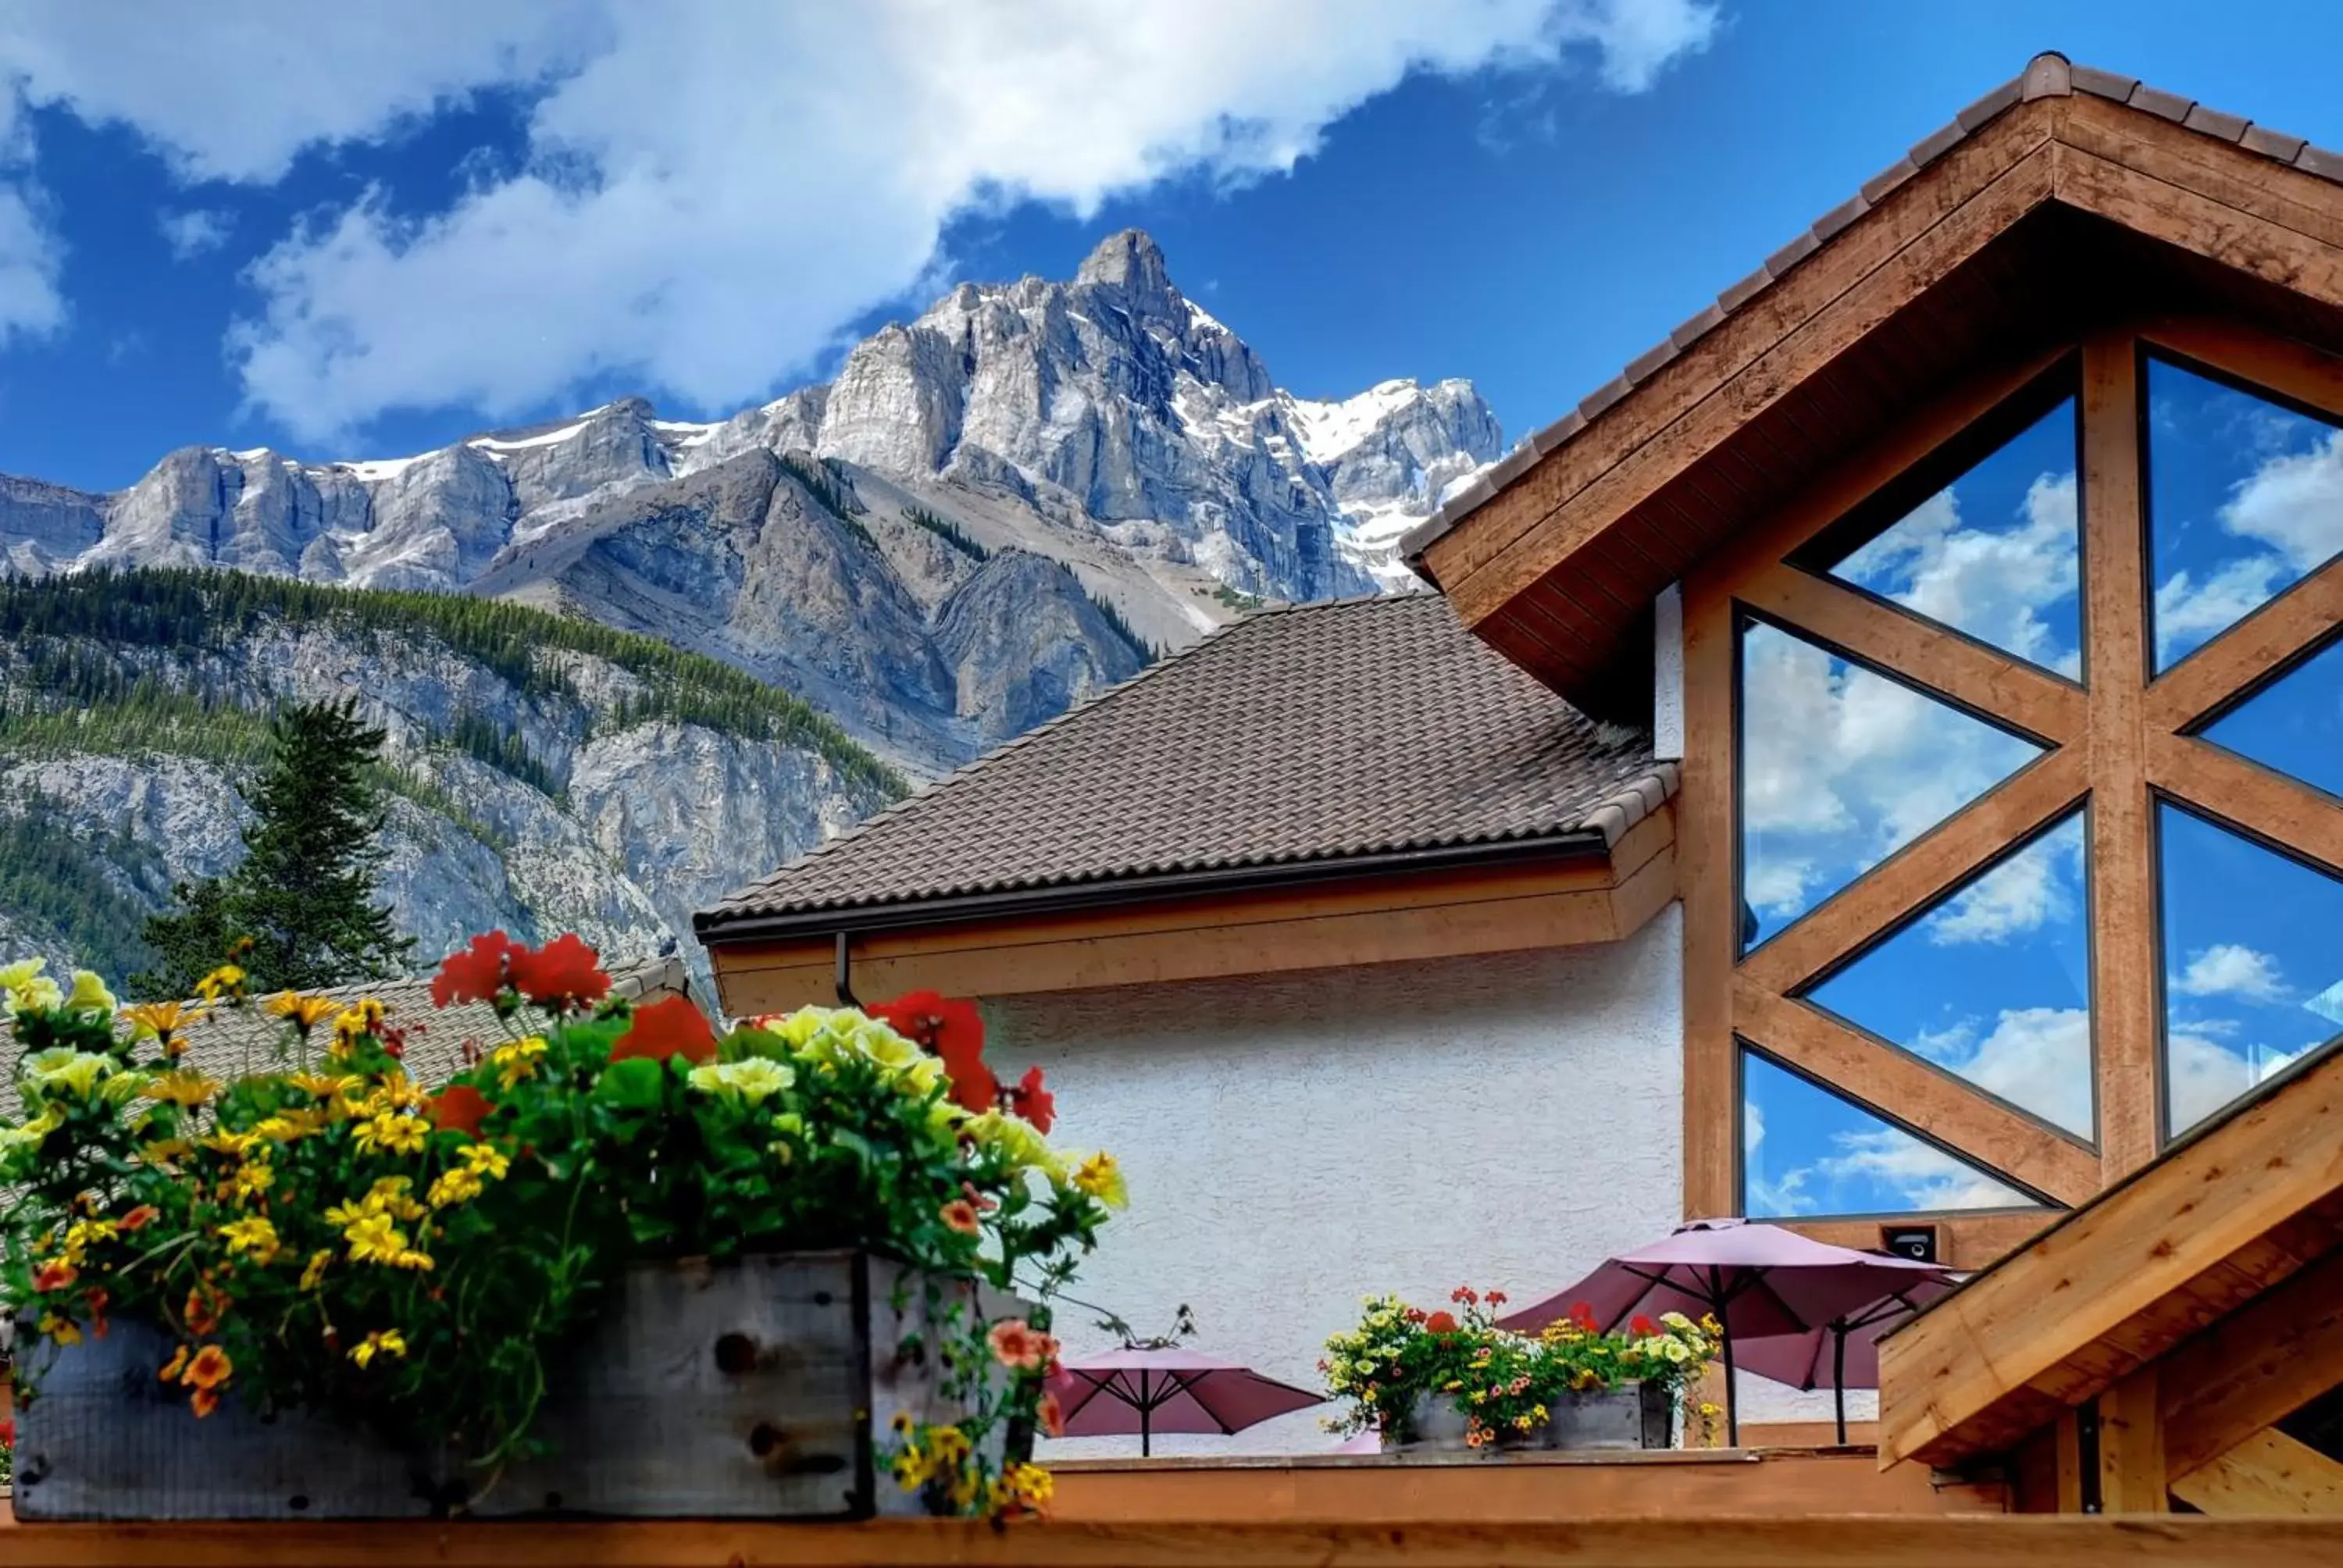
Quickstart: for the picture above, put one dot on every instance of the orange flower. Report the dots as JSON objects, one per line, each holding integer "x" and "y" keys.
{"x": 210, "y": 1369}
{"x": 563, "y": 975}
{"x": 203, "y": 1400}
{"x": 1018, "y": 1344}
{"x": 460, "y": 1109}
{"x": 474, "y": 974}
{"x": 177, "y": 1364}
{"x": 1054, "y": 1418}
{"x": 671, "y": 1026}
{"x": 960, "y": 1215}
{"x": 54, "y": 1276}
{"x": 203, "y": 1309}
{"x": 141, "y": 1217}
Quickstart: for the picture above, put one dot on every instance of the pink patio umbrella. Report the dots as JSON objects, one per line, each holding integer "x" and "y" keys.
{"x": 1758, "y": 1280}
{"x": 1843, "y": 1353}
{"x": 1173, "y": 1389}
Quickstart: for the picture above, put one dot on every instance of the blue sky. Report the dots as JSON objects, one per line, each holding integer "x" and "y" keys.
{"x": 1530, "y": 224}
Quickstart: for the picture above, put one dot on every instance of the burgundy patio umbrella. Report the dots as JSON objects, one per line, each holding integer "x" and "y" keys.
{"x": 1174, "y": 1389}
{"x": 1843, "y": 1353}
{"x": 1759, "y": 1281}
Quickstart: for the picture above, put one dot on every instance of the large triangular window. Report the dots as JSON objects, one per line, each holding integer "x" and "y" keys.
{"x": 1992, "y": 983}
{"x": 2253, "y": 964}
{"x": 1840, "y": 767}
{"x": 1807, "y": 1150}
{"x": 2245, "y": 499}
{"x": 1991, "y": 550}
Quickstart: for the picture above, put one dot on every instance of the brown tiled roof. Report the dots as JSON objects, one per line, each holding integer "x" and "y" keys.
{"x": 232, "y": 1041}
{"x": 2046, "y": 76}
{"x": 1314, "y": 734}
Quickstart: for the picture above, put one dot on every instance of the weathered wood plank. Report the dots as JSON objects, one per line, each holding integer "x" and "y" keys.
{"x": 741, "y": 1390}
{"x": 1974, "y": 1542}
{"x": 2267, "y": 1475}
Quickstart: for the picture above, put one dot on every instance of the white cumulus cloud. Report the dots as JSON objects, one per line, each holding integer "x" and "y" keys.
{"x": 708, "y": 198}
{"x": 196, "y": 231}
{"x": 30, "y": 253}
{"x": 2229, "y": 969}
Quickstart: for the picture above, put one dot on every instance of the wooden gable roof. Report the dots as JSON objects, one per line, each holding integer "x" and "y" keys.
{"x": 2063, "y": 200}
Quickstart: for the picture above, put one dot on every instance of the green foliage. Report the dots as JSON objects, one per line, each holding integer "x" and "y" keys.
{"x": 1236, "y": 598}
{"x": 198, "y": 615}
{"x": 829, "y": 495}
{"x": 1401, "y": 1359}
{"x": 328, "y": 1236}
{"x": 478, "y": 737}
{"x": 944, "y": 529}
{"x": 303, "y": 895}
{"x": 65, "y": 885}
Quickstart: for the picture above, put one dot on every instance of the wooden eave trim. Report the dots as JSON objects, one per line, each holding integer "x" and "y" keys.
{"x": 2118, "y": 1282}
{"x": 1866, "y": 273}
{"x": 1385, "y": 919}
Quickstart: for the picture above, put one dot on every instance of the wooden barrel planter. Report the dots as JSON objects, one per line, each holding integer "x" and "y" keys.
{"x": 1633, "y": 1415}
{"x": 754, "y": 1388}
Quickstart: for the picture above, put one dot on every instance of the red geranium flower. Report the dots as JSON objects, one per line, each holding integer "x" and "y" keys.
{"x": 474, "y": 974}
{"x": 1033, "y": 1102}
{"x": 1496, "y": 1298}
{"x": 460, "y": 1107}
{"x": 954, "y": 1029}
{"x": 8, "y": 1432}
{"x": 1643, "y": 1326}
{"x": 1584, "y": 1316}
{"x": 1464, "y": 1293}
{"x": 562, "y": 975}
{"x": 1440, "y": 1323}
{"x": 670, "y": 1026}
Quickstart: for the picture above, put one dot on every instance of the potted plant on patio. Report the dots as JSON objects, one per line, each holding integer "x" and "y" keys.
{"x": 1454, "y": 1380}
{"x": 618, "y": 1265}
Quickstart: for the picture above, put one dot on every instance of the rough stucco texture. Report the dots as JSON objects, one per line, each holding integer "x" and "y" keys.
{"x": 1295, "y": 1141}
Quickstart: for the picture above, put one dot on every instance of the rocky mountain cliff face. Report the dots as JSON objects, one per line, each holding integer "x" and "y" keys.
{"x": 847, "y": 539}
{"x": 990, "y": 513}
{"x": 541, "y": 776}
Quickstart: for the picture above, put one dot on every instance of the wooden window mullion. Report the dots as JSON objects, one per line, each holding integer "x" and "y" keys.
{"x": 2126, "y": 995}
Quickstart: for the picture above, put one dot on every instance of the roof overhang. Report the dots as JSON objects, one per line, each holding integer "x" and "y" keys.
{"x": 719, "y": 929}
{"x": 2065, "y": 200}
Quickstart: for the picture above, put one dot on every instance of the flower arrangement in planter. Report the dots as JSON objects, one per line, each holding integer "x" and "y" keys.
{"x": 423, "y": 1264}
{"x": 1437, "y": 1378}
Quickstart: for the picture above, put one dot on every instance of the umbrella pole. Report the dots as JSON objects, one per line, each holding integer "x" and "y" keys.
{"x": 1838, "y": 1375}
{"x": 1146, "y": 1411}
{"x": 1724, "y": 1334}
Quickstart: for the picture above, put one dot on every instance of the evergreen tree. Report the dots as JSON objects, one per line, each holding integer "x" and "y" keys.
{"x": 304, "y": 893}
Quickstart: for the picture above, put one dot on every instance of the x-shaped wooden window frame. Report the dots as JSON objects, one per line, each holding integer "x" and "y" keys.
{"x": 2118, "y": 745}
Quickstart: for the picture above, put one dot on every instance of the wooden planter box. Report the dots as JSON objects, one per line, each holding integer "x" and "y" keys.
{"x": 1633, "y": 1415}
{"x": 750, "y": 1389}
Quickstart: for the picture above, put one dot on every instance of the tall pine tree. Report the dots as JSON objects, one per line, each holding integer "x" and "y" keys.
{"x": 304, "y": 894}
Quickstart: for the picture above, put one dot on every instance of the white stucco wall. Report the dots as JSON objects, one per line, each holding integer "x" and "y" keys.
{"x": 1295, "y": 1141}
{"x": 1667, "y": 674}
